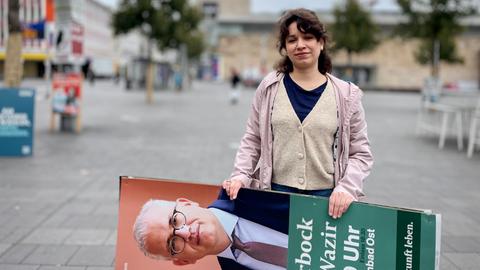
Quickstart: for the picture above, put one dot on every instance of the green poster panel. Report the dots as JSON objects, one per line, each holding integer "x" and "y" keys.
{"x": 366, "y": 237}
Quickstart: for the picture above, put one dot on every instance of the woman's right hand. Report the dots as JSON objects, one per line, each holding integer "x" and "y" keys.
{"x": 232, "y": 186}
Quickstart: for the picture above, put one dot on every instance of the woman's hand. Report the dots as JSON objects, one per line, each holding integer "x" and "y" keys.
{"x": 339, "y": 203}
{"x": 232, "y": 186}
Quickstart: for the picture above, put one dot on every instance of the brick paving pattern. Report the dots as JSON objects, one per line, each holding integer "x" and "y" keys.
{"x": 58, "y": 208}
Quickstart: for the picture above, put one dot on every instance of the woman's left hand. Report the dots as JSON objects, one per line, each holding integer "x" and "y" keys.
{"x": 339, "y": 203}
{"x": 232, "y": 186}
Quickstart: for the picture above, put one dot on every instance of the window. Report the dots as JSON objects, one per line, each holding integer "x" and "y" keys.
{"x": 210, "y": 10}
{"x": 359, "y": 75}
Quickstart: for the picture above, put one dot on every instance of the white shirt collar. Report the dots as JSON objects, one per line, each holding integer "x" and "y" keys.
{"x": 228, "y": 222}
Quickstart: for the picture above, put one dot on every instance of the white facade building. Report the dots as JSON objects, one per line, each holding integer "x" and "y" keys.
{"x": 98, "y": 39}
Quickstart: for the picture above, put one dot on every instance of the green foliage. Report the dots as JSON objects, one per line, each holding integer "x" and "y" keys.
{"x": 353, "y": 30}
{"x": 195, "y": 45}
{"x": 434, "y": 20}
{"x": 168, "y": 22}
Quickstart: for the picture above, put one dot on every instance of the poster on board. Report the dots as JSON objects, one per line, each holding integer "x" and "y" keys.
{"x": 17, "y": 111}
{"x": 367, "y": 237}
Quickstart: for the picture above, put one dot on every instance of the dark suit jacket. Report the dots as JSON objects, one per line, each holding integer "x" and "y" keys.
{"x": 269, "y": 209}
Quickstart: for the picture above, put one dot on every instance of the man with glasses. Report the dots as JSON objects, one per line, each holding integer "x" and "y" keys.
{"x": 184, "y": 232}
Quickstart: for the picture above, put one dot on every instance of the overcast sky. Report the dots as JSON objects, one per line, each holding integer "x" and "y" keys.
{"x": 279, "y": 5}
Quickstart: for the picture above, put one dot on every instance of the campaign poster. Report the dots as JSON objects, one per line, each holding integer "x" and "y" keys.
{"x": 134, "y": 192}
{"x": 366, "y": 237}
{"x": 17, "y": 107}
{"x": 66, "y": 93}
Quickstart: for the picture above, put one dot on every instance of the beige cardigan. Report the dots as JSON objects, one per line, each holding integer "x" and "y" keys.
{"x": 253, "y": 162}
{"x": 303, "y": 151}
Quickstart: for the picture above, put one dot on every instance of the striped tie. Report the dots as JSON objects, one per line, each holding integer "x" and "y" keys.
{"x": 263, "y": 252}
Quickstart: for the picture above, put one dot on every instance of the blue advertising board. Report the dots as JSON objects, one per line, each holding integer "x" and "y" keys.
{"x": 16, "y": 121}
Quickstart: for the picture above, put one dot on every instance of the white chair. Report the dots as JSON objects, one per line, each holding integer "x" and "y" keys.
{"x": 474, "y": 135}
{"x": 435, "y": 115}
{"x": 437, "y": 118}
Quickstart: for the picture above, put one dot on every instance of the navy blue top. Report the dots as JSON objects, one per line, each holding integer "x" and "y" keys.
{"x": 270, "y": 209}
{"x": 302, "y": 100}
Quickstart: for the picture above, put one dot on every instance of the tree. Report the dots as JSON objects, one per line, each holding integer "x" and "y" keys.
{"x": 168, "y": 23}
{"x": 436, "y": 24}
{"x": 13, "y": 61}
{"x": 353, "y": 29}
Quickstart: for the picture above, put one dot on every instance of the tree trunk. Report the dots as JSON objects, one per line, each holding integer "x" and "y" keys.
{"x": 436, "y": 59}
{"x": 349, "y": 57}
{"x": 13, "y": 60}
{"x": 184, "y": 66}
{"x": 149, "y": 82}
{"x": 349, "y": 71}
{"x": 149, "y": 75}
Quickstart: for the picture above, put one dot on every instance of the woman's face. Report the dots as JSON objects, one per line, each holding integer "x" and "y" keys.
{"x": 303, "y": 49}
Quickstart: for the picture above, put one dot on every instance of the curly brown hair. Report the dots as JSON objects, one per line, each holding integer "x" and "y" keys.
{"x": 307, "y": 22}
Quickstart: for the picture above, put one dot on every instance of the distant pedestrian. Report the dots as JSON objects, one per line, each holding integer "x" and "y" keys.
{"x": 116, "y": 76}
{"x": 86, "y": 68}
{"x": 88, "y": 71}
{"x": 235, "y": 91}
{"x": 178, "y": 78}
{"x": 307, "y": 131}
{"x": 128, "y": 81}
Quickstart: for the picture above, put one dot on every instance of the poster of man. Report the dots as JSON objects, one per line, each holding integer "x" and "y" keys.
{"x": 164, "y": 224}
{"x": 173, "y": 223}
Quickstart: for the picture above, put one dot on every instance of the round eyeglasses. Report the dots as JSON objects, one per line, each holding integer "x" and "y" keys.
{"x": 176, "y": 244}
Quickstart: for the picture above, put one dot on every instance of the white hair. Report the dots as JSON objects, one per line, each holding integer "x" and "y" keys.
{"x": 140, "y": 227}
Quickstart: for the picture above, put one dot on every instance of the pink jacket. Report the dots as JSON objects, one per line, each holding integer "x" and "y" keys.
{"x": 253, "y": 163}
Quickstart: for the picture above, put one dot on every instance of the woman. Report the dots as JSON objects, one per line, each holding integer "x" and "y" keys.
{"x": 306, "y": 132}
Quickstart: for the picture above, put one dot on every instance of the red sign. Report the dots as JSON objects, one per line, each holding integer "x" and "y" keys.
{"x": 66, "y": 93}
{"x": 50, "y": 10}
{"x": 67, "y": 82}
{"x": 77, "y": 39}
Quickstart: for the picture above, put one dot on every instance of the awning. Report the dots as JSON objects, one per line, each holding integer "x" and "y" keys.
{"x": 28, "y": 56}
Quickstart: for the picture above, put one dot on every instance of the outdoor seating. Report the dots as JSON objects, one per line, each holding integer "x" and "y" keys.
{"x": 444, "y": 112}
{"x": 474, "y": 135}
{"x": 437, "y": 118}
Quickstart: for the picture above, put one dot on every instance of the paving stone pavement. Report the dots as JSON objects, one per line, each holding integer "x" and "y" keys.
{"x": 58, "y": 208}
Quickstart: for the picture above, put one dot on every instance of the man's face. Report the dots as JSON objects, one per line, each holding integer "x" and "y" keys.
{"x": 198, "y": 232}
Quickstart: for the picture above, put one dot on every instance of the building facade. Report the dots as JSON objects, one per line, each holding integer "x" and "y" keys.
{"x": 36, "y": 17}
{"x": 247, "y": 42}
{"x": 99, "y": 41}
{"x": 72, "y": 32}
